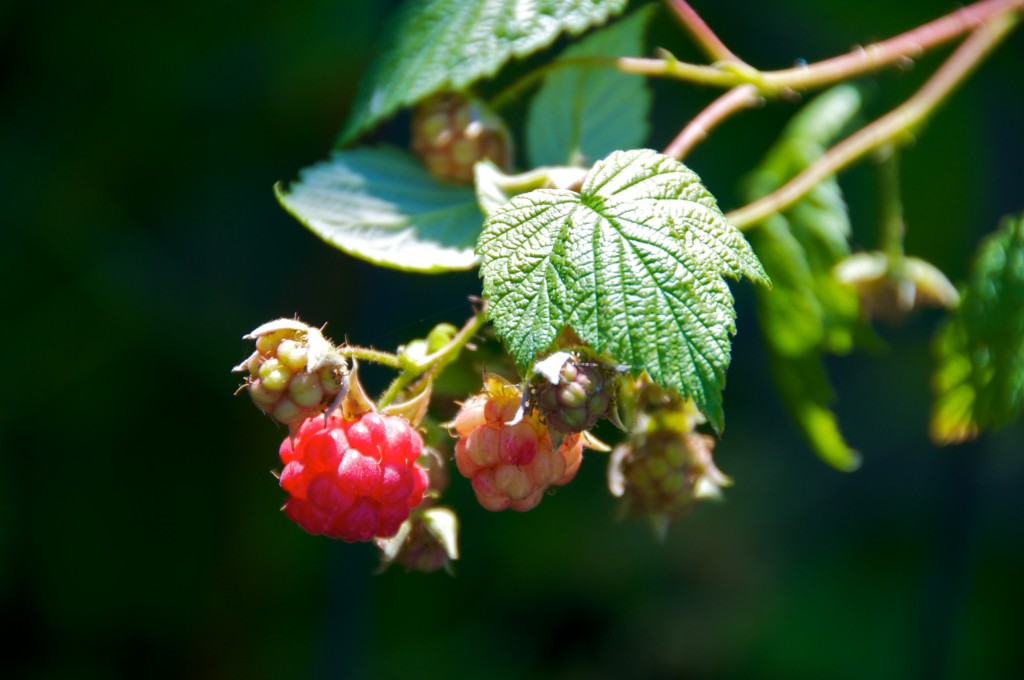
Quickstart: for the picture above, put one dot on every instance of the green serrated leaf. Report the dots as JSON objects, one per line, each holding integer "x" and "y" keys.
{"x": 979, "y": 377}
{"x": 581, "y": 114}
{"x": 437, "y": 45}
{"x": 379, "y": 204}
{"x": 808, "y": 311}
{"x": 633, "y": 263}
{"x": 805, "y": 390}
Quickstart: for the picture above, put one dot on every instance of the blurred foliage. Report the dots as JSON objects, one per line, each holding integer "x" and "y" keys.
{"x": 141, "y": 538}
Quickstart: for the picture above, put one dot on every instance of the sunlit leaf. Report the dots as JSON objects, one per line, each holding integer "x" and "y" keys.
{"x": 633, "y": 264}
{"x": 379, "y": 204}
{"x": 808, "y": 311}
{"x": 582, "y": 113}
{"x": 979, "y": 379}
{"x": 436, "y": 45}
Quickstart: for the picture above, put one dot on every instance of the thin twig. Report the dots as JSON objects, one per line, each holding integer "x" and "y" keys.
{"x": 437, "y": 360}
{"x": 701, "y": 32}
{"x": 375, "y": 356}
{"x": 696, "y": 131}
{"x": 895, "y": 127}
{"x": 515, "y": 90}
{"x": 906, "y": 45}
{"x": 893, "y": 227}
{"x": 819, "y": 74}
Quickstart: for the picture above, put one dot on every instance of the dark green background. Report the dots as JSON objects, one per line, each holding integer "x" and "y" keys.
{"x": 139, "y": 531}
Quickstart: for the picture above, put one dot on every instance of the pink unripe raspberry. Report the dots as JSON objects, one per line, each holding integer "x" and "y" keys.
{"x": 511, "y": 464}
{"x": 353, "y": 480}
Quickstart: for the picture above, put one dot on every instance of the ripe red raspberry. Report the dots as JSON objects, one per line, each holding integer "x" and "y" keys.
{"x": 451, "y": 132}
{"x": 571, "y": 393}
{"x": 353, "y": 480}
{"x": 510, "y": 465}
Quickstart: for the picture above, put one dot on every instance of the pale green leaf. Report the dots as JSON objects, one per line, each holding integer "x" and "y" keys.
{"x": 436, "y": 45}
{"x": 804, "y": 387}
{"x": 979, "y": 378}
{"x": 808, "y": 311}
{"x": 494, "y": 187}
{"x": 379, "y": 204}
{"x": 582, "y": 113}
{"x": 633, "y": 263}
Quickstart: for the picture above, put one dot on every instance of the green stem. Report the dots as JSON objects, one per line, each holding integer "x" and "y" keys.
{"x": 515, "y": 90}
{"x": 896, "y": 127}
{"x": 435, "y": 361}
{"x": 375, "y": 356}
{"x": 893, "y": 225}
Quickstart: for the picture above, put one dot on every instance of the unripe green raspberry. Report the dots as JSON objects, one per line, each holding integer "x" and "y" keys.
{"x": 274, "y": 375}
{"x": 451, "y": 132}
{"x": 426, "y": 542}
{"x": 663, "y": 473}
{"x": 306, "y": 389}
{"x": 665, "y": 466}
{"x": 295, "y": 373}
{"x": 571, "y": 393}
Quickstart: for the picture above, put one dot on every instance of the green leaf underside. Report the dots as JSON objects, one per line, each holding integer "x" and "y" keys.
{"x": 494, "y": 188}
{"x": 808, "y": 311}
{"x": 979, "y": 378}
{"x": 581, "y": 113}
{"x": 805, "y": 390}
{"x": 633, "y": 263}
{"x": 381, "y": 205}
{"x": 439, "y": 45}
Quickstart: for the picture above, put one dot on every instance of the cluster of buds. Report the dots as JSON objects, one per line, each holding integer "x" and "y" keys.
{"x": 295, "y": 373}
{"x": 572, "y": 392}
{"x": 665, "y": 466}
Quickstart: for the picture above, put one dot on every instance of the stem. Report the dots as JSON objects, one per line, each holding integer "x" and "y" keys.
{"x": 375, "y": 356}
{"x": 696, "y": 131}
{"x": 460, "y": 340}
{"x": 910, "y": 44}
{"x": 863, "y": 60}
{"x": 701, "y": 32}
{"x": 681, "y": 70}
{"x": 895, "y": 127}
{"x": 893, "y": 226}
{"x": 515, "y": 89}
{"x": 436, "y": 361}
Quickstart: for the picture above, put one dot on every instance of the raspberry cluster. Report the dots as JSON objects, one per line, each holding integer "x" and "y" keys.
{"x": 510, "y": 463}
{"x": 450, "y": 133}
{"x": 294, "y": 373}
{"x": 665, "y": 472}
{"x": 573, "y": 394}
{"x": 665, "y": 466}
{"x": 353, "y": 480}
